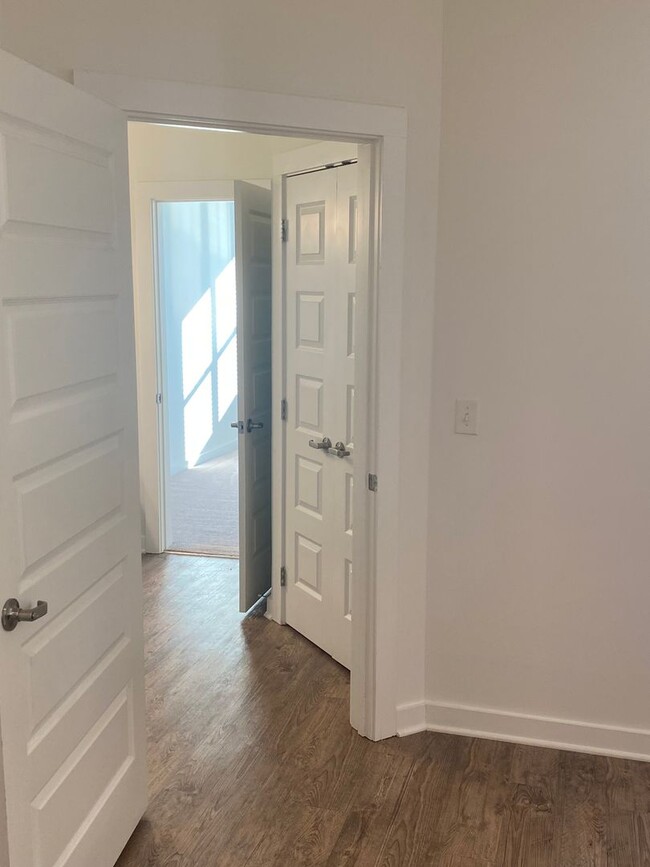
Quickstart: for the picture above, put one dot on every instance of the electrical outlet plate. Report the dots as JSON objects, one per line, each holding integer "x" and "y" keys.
{"x": 466, "y": 417}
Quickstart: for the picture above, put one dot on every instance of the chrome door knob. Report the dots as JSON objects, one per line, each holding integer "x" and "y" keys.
{"x": 13, "y": 614}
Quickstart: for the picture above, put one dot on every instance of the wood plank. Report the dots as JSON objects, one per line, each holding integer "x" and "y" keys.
{"x": 253, "y": 762}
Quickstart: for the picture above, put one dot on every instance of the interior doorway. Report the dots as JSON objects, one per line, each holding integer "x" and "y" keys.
{"x": 196, "y": 277}
{"x": 203, "y": 251}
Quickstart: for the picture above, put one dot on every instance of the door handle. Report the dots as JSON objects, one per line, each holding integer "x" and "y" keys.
{"x": 254, "y": 425}
{"x": 325, "y": 443}
{"x": 339, "y": 450}
{"x": 239, "y": 425}
{"x": 13, "y": 614}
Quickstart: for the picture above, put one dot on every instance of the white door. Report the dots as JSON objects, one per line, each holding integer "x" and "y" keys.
{"x": 320, "y": 303}
{"x": 72, "y": 698}
{"x": 253, "y": 206}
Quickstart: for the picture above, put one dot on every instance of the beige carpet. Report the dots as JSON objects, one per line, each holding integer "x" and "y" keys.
{"x": 203, "y": 509}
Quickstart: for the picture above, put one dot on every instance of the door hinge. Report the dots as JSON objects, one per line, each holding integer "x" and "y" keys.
{"x": 284, "y": 231}
{"x": 372, "y": 482}
{"x": 283, "y": 576}
{"x": 159, "y": 398}
{"x": 284, "y": 409}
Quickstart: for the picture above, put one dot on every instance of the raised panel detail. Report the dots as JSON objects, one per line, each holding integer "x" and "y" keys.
{"x": 63, "y": 652}
{"x": 61, "y": 426}
{"x": 349, "y": 496}
{"x": 310, "y": 320}
{"x": 310, "y": 233}
{"x": 261, "y": 466}
{"x": 46, "y": 187}
{"x": 309, "y": 403}
{"x": 347, "y": 580}
{"x": 349, "y": 416}
{"x": 261, "y": 307}
{"x": 66, "y": 498}
{"x": 89, "y": 775}
{"x": 77, "y": 342}
{"x": 309, "y": 493}
{"x": 352, "y": 310}
{"x": 353, "y": 231}
{"x": 262, "y": 390}
{"x": 308, "y": 565}
{"x": 261, "y": 531}
{"x": 261, "y": 238}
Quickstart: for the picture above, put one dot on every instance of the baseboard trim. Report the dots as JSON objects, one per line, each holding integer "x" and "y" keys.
{"x": 539, "y": 731}
{"x": 411, "y": 718}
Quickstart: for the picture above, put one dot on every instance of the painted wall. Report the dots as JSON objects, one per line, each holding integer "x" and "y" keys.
{"x": 370, "y": 51}
{"x": 540, "y": 531}
{"x": 172, "y": 153}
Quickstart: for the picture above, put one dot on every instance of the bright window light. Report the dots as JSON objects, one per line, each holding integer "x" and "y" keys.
{"x": 227, "y": 378}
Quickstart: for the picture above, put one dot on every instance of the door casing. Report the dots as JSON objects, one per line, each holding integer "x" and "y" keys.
{"x": 380, "y": 132}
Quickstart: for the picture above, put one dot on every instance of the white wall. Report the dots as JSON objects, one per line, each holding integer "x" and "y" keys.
{"x": 539, "y": 587}
{"x": 371, "y": 51}
{"x": 171, "y": 153}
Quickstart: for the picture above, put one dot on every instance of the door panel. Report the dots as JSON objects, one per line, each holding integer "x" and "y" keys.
{"x": 320, "y": 287}
{"x": 73, "y": 731}
{"x": 253, "y": 207}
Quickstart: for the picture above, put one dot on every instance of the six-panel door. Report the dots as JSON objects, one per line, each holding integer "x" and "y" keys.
{"x": 320, "y": 309}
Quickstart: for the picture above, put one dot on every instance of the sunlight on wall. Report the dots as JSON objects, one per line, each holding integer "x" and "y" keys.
{"x": 225, "y": 287}
{"x": 196, "y": 258}
{"x": 196, "y": 342}
{"x": 227, "y": 378}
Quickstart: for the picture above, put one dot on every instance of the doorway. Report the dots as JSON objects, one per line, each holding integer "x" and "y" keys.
{"x": 202, "y": 266}
{"x": 381, "y": 132}
{"x": 195, "y": 268}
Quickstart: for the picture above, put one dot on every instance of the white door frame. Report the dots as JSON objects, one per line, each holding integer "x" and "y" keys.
{"x": 152, "y": 430}
{"x": 381, "y": 134}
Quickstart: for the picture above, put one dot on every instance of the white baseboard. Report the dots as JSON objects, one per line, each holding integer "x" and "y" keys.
{"x": 540, "y": 731}
{"x": 411, "y": 718}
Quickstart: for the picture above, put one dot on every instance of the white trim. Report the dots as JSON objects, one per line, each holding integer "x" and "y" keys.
{"x": 560, "y": 734}
{"x": 244, "y": 109}
{"x": 382, "y": 163}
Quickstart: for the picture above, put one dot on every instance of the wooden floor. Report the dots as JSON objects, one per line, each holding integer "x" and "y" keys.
{"x": 253, "y": 762}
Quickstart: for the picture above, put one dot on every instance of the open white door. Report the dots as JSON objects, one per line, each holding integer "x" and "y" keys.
{"x": 253, "y": 208}
{"x": 72, "y": 699}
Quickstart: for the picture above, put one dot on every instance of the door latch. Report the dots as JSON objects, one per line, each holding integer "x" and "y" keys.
{"x": 339, "y": 450}
{"x": 13, "y": 614}
{"x": 325, "y": 443}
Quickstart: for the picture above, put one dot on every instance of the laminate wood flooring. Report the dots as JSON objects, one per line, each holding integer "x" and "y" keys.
{"x": 253, "y": 762}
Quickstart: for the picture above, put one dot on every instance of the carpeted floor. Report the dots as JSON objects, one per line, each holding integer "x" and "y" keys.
{"x": 203, "y": 508}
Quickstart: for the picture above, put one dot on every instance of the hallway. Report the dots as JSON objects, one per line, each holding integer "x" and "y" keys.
{"x": 252, "y": 761}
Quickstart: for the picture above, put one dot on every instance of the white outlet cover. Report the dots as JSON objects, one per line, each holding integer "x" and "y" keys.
{"x": 466, "y": 419}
